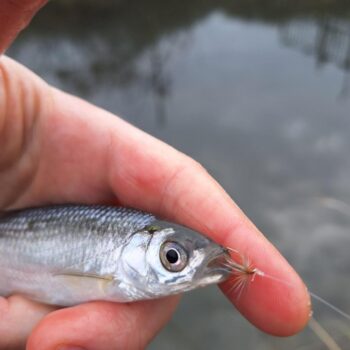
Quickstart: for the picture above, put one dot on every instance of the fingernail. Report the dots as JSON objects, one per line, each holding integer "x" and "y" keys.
{"x": 69, "y": 347}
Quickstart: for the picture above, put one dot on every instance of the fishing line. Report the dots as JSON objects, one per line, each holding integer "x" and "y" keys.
{"x": 313, "y": 295}
{"x": 333, "y": 307}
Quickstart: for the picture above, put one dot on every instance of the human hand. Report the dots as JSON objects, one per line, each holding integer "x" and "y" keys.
{"x": 56, "y": 148}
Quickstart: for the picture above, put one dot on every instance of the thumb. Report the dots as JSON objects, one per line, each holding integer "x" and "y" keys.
{"x": 103, "y": 326}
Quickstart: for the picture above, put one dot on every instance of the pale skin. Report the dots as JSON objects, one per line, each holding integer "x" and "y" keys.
{"x": 56, "y": 148}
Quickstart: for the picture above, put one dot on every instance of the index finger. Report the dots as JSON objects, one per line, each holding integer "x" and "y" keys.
{"x": 14, "y": 16}
{"x": 145, "y": 173}
{"x": 89, "y": 155}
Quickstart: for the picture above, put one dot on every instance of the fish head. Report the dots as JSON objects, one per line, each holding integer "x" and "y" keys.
{"x": 179, "y": 259}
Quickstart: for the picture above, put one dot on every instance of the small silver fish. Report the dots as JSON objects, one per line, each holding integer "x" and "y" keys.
{"x": 66, "y": 255}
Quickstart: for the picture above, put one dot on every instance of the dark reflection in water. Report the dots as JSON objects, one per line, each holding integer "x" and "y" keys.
{"x": 326, "y": 38}
{"x": 256, "y": 90}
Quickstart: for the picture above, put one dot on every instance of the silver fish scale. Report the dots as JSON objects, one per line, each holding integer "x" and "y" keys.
{"x": 67, "y": 235}
{"x": 31, "y": 221}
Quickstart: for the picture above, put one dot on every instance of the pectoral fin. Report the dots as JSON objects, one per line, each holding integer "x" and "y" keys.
{"x": 76, "y": 280}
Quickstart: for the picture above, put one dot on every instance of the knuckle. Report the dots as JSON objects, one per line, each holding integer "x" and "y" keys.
{"x": 3, "y": 89}
{"x": 195, "y": 165}
{"x": 10, "y": 116}
{"x": 21, "y": 107}
{"x": 186, "y": 168}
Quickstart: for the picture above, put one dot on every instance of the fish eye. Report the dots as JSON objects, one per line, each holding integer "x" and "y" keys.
{"x": 173, "y": 256}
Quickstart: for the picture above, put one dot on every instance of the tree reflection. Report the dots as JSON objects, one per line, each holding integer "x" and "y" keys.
{"x": 104, "y": 39}
{"x": 327, "y": 39}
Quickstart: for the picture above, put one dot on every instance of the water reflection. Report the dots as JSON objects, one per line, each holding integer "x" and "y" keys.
{"x": 78, "y": 57}
{"x": 233, "y": 84}
{"x": 157, "y": 78}
{"x": 327, "y": 39}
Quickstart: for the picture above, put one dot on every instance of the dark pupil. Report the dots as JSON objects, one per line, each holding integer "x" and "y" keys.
{"x": 172, "y": 256}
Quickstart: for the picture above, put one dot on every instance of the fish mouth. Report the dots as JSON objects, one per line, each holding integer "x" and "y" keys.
{"x": 215, "y": 270}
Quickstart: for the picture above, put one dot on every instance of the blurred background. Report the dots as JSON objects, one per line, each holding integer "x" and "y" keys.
{"x": 258, "y": 91}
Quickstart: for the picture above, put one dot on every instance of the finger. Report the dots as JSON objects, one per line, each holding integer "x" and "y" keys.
{"x": 277, "y": 302}
{"x": 14, "y": 328}
{"x": 102, "y": 326}
{"x": 15, "y": 16}
{"x": 87, "y": 154}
